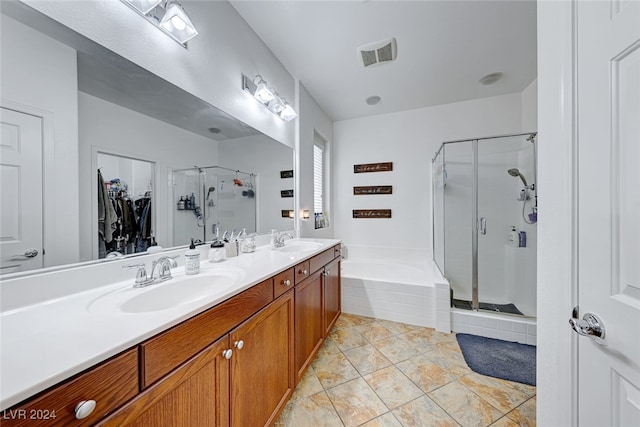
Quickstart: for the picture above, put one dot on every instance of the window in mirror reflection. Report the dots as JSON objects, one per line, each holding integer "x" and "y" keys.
{"x": 319, "y": 181}
{"x": 125, "y": 194}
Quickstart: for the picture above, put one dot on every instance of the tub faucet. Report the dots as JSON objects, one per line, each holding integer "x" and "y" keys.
{"x": 163, "y": 266}
{"x": 277, "y": 239}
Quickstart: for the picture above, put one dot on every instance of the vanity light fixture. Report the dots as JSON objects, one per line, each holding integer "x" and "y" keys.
{"x": 268, "y": 97}
{"x": 262, "y": 92}
{"x": 305, "y": 214}
{"x": 276, "y": 105}
{"x": 144, "y": 6}
{"x": 167, "y": 15}
{"x": 288, "y": 113}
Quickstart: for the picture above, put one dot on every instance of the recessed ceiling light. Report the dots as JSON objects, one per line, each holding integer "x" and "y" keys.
{"x": 373, "y": 100}
{"x": 490, "y": 79}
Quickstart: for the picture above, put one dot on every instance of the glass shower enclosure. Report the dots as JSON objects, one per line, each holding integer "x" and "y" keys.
{"x": 219, "y": 200}
{"x": 484, "y": 222}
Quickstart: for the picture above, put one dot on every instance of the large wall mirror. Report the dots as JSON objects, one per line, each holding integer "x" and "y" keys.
{"x": 91, "y": 110}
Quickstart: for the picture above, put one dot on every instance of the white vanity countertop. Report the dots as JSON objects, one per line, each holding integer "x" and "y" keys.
{"x": 48, "y": 342}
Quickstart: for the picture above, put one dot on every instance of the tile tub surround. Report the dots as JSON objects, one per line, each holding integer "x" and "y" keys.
{"x": 396, "y": 284}
{"x": 504, "y": 327}
{"x": 360, "y": 378}
{"x": 47, "y": 313}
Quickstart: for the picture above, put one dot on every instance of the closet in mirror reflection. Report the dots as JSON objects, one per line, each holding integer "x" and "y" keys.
{"x": 125, "y": 211}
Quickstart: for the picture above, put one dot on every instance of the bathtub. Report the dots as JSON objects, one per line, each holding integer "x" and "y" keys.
{"x": 400, "y": 285}
{"x": 405, "y": 286}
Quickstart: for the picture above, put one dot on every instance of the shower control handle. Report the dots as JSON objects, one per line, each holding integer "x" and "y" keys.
{"x": 482, "y": 225}
{"x": 589, "y": 326}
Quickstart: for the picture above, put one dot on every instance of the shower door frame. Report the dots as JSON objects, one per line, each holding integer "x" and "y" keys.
{"x": 475, "y": 225}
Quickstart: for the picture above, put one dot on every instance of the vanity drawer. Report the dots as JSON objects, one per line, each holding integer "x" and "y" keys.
{"x": 320, "y": 260}
{"x": 109, "y": 384}
{"x": 163, "y": 353}
{"x": 283, "y": 282}
{"x": 302, "y": 271}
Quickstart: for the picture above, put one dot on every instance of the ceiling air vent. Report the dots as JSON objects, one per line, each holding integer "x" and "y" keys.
{"x": 378, "y": 52}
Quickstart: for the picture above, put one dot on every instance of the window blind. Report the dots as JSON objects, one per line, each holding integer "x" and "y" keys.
{"x": 318, "y": 176}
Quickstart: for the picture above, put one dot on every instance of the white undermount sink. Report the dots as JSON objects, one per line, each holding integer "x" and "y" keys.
{"x": 179, "y": 291}
{"x": 300, "y": 246}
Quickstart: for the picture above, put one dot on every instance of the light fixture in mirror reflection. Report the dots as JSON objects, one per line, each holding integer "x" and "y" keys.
{"x": 97, "y": 101}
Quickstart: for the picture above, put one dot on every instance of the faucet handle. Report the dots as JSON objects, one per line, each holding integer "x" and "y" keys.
{"x": 141, "y": 275}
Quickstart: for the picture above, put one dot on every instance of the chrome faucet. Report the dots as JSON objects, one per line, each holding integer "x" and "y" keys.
{"x": 277, "y": 239}
{"x": 163, "y": 265}
{"x": 160, "y": 271}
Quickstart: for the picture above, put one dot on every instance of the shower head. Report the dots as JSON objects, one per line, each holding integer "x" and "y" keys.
{"x": 516, "y": 172}
{"x": 211, "y": 190}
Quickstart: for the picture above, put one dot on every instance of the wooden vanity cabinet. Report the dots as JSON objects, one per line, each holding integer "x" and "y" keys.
{"x": 331, "y": 294}
{"x": 317, "y": 306}
{"x": 308, "y": 321}
{"x": 262, "y": 366}
{"x": 235, "y": 364}
{"x": 194, "y": 394}
{"x": 164, "y": 352}
{"x": 109, "y": 384}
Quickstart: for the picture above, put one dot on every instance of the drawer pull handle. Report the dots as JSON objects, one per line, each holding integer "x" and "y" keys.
{"x": 239, "y": 344}
{"x": 227, "y": 354}
{"x": 84, "y": 409}
{"x": 286, "y": 282}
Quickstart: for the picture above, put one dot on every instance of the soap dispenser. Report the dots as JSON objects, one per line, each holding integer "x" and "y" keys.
{"x": 192, "y": 260}
{"x": 514, "y": 238}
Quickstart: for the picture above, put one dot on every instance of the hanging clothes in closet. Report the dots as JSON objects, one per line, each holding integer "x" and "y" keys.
{"x": 124, "y": 226}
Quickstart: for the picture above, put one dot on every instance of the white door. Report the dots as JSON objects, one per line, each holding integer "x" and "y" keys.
{"x": 20, "y": 192}
{"x": 608, "y": 78}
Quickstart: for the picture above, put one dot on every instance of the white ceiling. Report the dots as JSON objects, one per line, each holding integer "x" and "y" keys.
{"x": 444, "y": 48}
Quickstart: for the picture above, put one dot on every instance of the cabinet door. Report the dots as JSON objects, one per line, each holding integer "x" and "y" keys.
{"x": 332, "y": 301}
{"x": 308, "y": 320}
{"x": 195, "y": 394}
{"x": 262, "y": 370}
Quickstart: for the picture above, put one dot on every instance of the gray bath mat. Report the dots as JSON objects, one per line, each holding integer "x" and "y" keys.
{"x": 510, "y": 361}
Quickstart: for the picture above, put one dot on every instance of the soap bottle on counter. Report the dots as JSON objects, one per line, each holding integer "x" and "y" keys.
{"x": 192, "y": 260}
{"x": 513, "y": 238}
{"x": 247, "y": 242}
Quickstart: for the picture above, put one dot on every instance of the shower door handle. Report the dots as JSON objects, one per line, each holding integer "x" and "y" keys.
{"x": 482, "y": 225}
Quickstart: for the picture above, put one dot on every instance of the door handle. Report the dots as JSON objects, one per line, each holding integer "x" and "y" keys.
{"x": 29, "y": 253}
{"x": 589, "y": 326}
{"x": 482, "y": 227}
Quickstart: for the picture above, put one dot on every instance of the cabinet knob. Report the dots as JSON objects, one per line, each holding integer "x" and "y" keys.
{"x": 305, "y": 272}
{"x": 239, "y": 344}
{"x": 84, "y": 409}
{"x": 227, "y": 354}
{"x": 325, "y": 273}
{"x": 286, "y": 282}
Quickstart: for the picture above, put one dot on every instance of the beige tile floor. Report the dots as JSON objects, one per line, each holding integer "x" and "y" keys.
{"x": 376, "y": 373}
